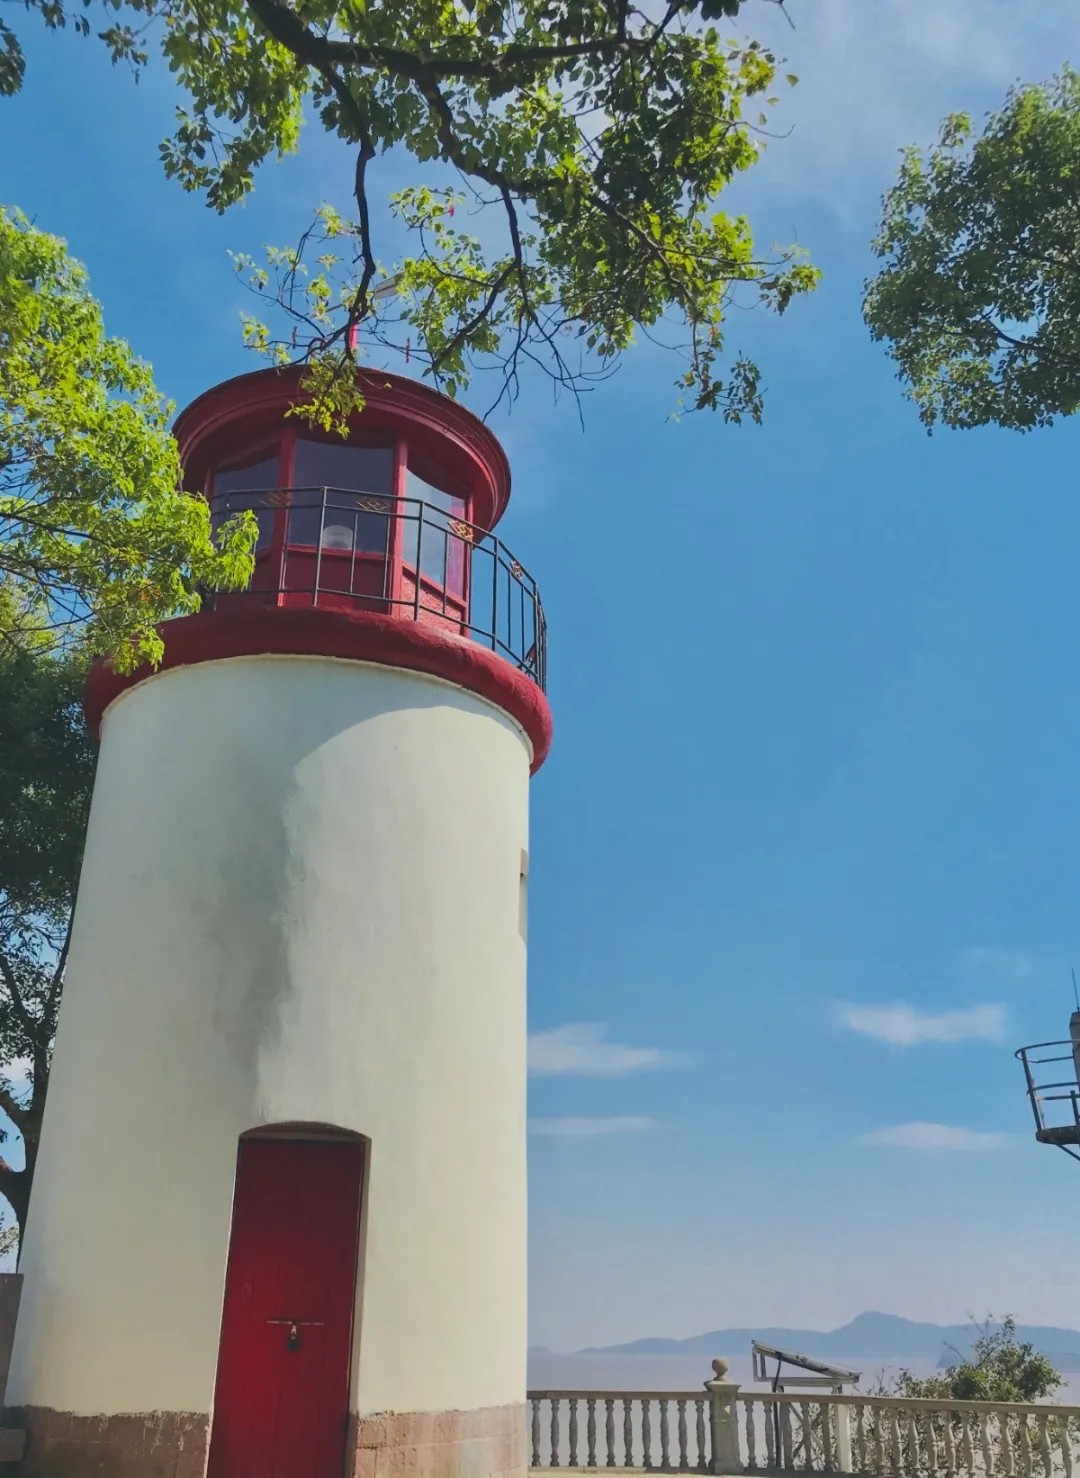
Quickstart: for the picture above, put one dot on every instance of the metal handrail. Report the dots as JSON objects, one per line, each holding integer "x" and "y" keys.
{"x": 1065, "y": 1136}
{"x": 425, "y": 564}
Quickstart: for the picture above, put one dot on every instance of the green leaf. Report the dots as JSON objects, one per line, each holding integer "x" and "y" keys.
{"x": 596, "y": 147}
{"x": 92, "y": 516}
{"x": 978, "y": 297}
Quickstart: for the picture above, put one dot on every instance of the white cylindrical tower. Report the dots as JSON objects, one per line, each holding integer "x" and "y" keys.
{"x": 278, "y": 1223}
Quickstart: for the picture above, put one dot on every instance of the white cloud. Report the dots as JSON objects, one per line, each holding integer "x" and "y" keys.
{"x": 580, "y": 1049}
{"x": 588, "y": 1128}
{"x": 875, "y": 75}
{"x": 903, "y": 1026}
{"x": 930, "y": 1137}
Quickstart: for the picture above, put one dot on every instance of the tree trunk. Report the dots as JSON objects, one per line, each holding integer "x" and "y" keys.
{"x": 15, "y": 1188}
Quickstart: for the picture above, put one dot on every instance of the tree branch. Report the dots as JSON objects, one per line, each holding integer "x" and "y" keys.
{"x": 464, "y": 332}
{"x": 57, "y": 980}
{"x": 308, "y": 46}
{"x": 8, "y": 975}
{"x": 453, "y": 146}
{"x": 366, "y": 153}
{"x": 15, "y": 1110}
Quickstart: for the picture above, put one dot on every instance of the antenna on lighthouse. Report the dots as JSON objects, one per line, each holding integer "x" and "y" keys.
{"x": 387, "y": 289}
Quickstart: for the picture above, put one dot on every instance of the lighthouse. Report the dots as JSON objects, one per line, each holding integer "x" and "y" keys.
{"x": 278, "y": 1226}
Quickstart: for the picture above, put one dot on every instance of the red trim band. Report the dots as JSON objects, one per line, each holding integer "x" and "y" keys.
{"x": 362, "y": 636}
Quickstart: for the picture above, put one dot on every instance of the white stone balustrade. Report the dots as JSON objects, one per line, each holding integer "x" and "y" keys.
{"x": 653, "y": 1431}
{"x": 725, "y": 1430}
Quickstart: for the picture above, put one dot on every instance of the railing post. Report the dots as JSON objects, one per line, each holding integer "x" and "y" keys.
{"x": 726, "y": 1456}
{"x": 843, "y": 1436}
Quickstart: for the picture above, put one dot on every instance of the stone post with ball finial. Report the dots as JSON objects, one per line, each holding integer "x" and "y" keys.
{"x": 726, "y": 1457}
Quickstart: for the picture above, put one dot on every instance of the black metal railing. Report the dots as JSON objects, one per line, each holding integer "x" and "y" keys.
{"x": 404, "y": 556}
{"x": 1062, "y": 1126}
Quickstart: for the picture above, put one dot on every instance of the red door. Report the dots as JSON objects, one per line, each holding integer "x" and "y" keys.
{"x": 282, "y": 1397}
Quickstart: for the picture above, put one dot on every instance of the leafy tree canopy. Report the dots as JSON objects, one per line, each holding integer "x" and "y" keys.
{"x": 597, "y": 135}
{"x": 999, "y": 1368}
{"x": 978, "y": 300}
{"x": 46, "y": 763}
{"x": 93, "y": 526}
{"x": 46, "y": 774}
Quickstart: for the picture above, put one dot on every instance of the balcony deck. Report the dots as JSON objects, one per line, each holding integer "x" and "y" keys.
{"x": 338, "y": 549}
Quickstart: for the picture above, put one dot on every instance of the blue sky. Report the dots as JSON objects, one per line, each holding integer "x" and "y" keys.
{"x": 805, "y": 860}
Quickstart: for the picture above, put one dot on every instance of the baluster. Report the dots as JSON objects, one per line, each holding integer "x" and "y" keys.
{"x": 609, "y": 1429}
{"x": 573, "y": 1462}
{"x": 702, "y": 1455}
{"x": 536, "y": 1432}
{"x": 1007, "y": 1464}
{"x": 1044, "y": 1445}
{"x": 986, "y": 1446}
{"x": 772, "y": 1457}
{"x": 860, "y": 1439}
{"x": 895, "y": 1443}
{"x": 786, "y": 1443}
{"x": 646, "y": 1433}
{"x": 1024, "y": 1444}
{"x": 911, "y": 1422}
{"x": 628, "y": 1431}
{"x": 1066, "y": 1447}
{"x": 590, "y": 1430}
{"x": 751, "y": 1435}
{"x": 665, "y": 1437}
{"x": 967, "y": 1446}
{"x": 827, "y": 1414}
{"x": 858, "y": 1456}
{"x": 950, "y": 1445}
{"x": 807, "y": 1431}
{"x": 929, "y": 1442}
{"x": 554, "y": 1459}
{"x": 684, "y": 1455}
{"x": 877, "y": 1416}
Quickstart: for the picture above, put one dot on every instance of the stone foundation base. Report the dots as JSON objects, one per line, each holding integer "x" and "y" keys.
{"x": 487, "y": 1443}
{"x": 155, "y": 1444}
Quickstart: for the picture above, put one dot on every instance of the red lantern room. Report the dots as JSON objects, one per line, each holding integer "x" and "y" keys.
{"x": 394, "y": 523}
{"x": 396, "y": 518}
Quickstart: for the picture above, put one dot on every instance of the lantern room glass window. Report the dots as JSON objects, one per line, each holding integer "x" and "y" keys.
{"x": 243, "y": 483}
{"x": 367, "y": 521}
{"x": 330, "y": 482}
{"x": 429, "y": 540}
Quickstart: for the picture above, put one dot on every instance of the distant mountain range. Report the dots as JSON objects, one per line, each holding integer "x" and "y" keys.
{"x": 872, "y": 1336}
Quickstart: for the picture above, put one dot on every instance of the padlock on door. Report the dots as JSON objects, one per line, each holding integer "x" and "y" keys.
{"x": 292, "y": 1330}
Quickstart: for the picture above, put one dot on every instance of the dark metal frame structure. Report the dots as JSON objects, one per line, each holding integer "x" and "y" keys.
{"x": 823, "y": 1375}
{"x": 1064, "y": 1136}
